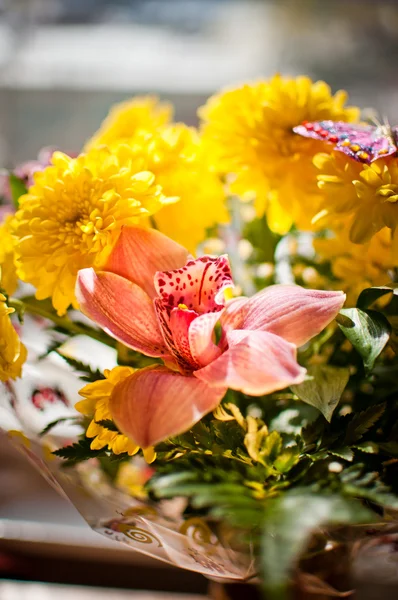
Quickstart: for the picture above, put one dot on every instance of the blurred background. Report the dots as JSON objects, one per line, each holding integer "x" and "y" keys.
{"x": 62, "y": 64}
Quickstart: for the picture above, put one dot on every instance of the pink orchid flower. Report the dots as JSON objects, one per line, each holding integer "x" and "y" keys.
{"x": 159, "y": 301}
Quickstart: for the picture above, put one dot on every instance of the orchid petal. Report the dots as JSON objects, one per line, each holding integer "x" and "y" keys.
{"x": 122, "y": 309}
{"x": 199, "y": 285}
{"x": 202, "y": 347}
{"x": 140, "y": 253}
{"x": 156, "y": 403}
{"x": 256, "y": 363}
{"x": 180, "y": 321}
{"x": 234, "y": 313}
{"x": 294, "y": 313}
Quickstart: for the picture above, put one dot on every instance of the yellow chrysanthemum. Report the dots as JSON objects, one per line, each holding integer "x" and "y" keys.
{"x": 73, "y": 213}
{"x": 177, "y": 158}
{"x": 12, "y": 352}
{"x": 96, "y": 406}
{"x": 249, "y": 133}
{"x": 368, "y": 193}
{"x": 127, "y": 118}
{"x": 8, "y": 272}
{"x": 175, "y": 155}
{"x": 358, "y": 266}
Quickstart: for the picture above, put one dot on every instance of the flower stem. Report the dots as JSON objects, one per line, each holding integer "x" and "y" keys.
{"x": 65, "y": 323}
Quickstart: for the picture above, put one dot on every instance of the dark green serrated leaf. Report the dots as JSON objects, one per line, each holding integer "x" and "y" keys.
{"x": 368, "y": 331}
{"x": 363, "y": 421}
{"x": 78, "y": 452}
{"x": 90, "y": 374}
{"x": 367, "y": 447}
{"x": 53, "y": 424}
{"x": 324, "y": 388}
{"x": 290, "y": 519}
{"x": 389, "y": 448}
{"x": 53, "y": 347}
{"x": 17, "y": 187}
{"x": 370, "y": 295}
{"x": 108, "y": 424}
{"x": 344, "y": 453}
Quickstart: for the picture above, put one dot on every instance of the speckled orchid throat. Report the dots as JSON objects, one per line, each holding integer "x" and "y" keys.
{"x": 193, "y": 293}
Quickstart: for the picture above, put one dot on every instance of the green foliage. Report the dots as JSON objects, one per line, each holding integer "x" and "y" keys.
{"x": 368, "y": 331}
{"x": 87, "y": 373}
{"x": 78, "y": 452}
{"x": 53, "y": 424}
{"x": 81, "y": 451}
{"x": 17, "y": 187}
{"x": 323, "y": 388}
{"x": 370, "y": 295}
{"x": 288, "y": 523}
{"x": 362, "y": 422}
{"x": 108, "y": 424}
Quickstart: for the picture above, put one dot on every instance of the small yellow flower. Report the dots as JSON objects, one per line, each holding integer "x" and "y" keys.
{"x": 96, "y": 406}
{"x": 73, "y": 214}
{"x": 8, "y": 272}
{"x": 131, "y": 478}
{"x": 367, "y": 193}
{"x": 12, "y": 352}
{"x": 127, "y": 118}
{"x": 248, "y": 132}
{"x": 358, "y": 266}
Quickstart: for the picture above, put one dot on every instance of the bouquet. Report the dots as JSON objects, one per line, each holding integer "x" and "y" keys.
{"x": 198, "y": 331}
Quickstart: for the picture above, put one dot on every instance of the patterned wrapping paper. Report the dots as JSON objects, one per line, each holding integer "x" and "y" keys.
{"x": 48, "y": 391}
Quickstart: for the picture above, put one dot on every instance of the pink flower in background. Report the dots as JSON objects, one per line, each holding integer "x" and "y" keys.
{"x": 26, "y": 170}
{"x": 155, "y": 299}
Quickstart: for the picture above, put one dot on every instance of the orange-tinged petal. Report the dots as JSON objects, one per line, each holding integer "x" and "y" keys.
{"x": 290, "y": 311}
{"x": 122, "y": 309}
{"x": 156, "y": 403}
{"x": 256, "y": 363}
{"x": 180, "y": 321}
{"x": 200, "y": 334}
{"x": 140, "y": 253}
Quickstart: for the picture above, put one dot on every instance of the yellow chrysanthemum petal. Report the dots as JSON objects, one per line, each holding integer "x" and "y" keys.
{"x": 176, "y": 156}
{"x": 96, "y": 406}
{"x": 13, "y": 353}
{"x": 8, "y": 272}
{"x": 356, "y": 266}
{"x": 365, "y": 194}
{"x": 248, "y": 132}
{"x": 73, "y": 214}
{"x": 182, "y": 169}
{"x": 127, "y": 118}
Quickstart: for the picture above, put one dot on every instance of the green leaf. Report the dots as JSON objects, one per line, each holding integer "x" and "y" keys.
{"x": 344, "y": 453}
{"x": 286, "y": 460}
{"x": 57, "y": 422}
{"x": 363, "y": 421}
{"x": 368, "y": 296}
{"x": 324, "y": 389}
{"x": 78, "y": 452}
{"x": 368, "y": 331}
{"x": 290, "y": 520}
{"x": 390, "y": 448}
{"x": 90, "y": 375}
{"x": 108, "y": 424}
{"x": 17, "y": 187}
{"x": 367, "y": 447}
